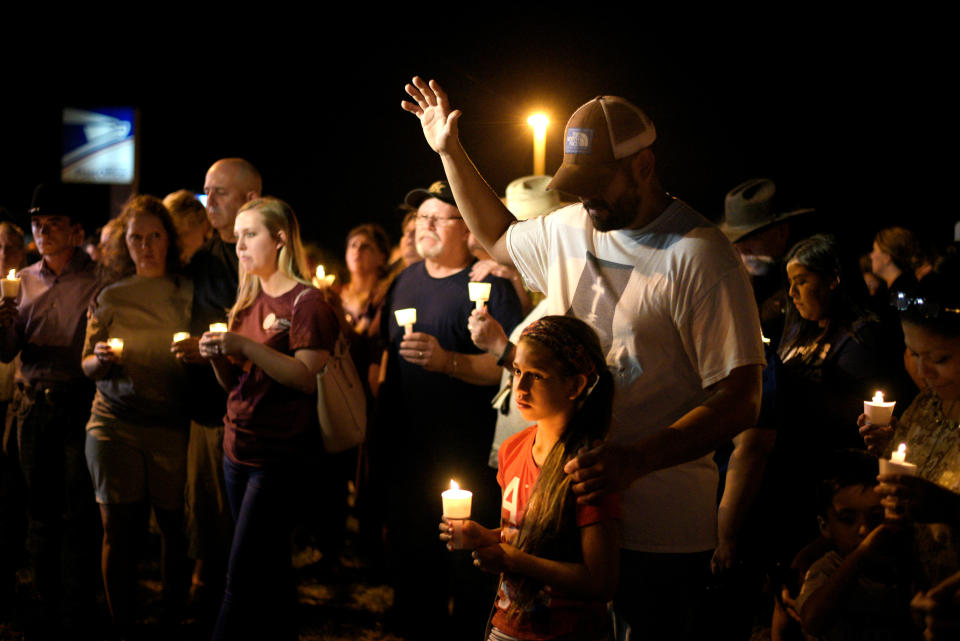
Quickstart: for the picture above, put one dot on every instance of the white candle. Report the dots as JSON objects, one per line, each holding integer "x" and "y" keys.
{"x": 181, "y": 336}
{"x": 456, "y": 502}
{"x": 322, "y": 278}
{"x": 406, "y": 318}
{"x": 877, "y": 410}
{"x": 218, "y": 327}
{"x": 10, "y": 285}
{"x": 479, "y": 292}
{"x": 897, "y": 464}
{"x": 116, "y": 344}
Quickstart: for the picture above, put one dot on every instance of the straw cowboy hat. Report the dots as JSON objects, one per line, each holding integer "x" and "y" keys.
{"x": 749, "y": 209}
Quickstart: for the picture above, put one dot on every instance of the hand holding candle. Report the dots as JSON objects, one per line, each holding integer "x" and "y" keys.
{"x": 897, "y": 464}
{"x": 877, "y": 410}
{"x": 456, "y": 509}
{"x": 116, "y": 346}
{"x": 10, "y": 285}
{"x": 406, "y": 318}
{"x": 479, "y": 293}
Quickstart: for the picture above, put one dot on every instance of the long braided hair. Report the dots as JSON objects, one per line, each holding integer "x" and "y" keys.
{"x": 548, "y": 526}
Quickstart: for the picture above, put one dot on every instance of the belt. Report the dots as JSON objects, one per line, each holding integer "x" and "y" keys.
{"x": 53, "y": 393}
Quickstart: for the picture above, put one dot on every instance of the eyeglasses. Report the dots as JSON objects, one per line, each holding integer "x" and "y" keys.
{"x": 931, "y": 309}
{"x": 436, "y": 221}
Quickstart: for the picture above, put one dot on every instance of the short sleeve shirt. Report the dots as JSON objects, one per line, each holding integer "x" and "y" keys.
{"x": 266, "y": 420}
{"x": 554, "y": 615}
{"x": 675, "y": 313}
{"x": 148, "y": 385}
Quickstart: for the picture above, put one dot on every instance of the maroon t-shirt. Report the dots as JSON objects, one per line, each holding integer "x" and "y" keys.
{"x": 266, "y": 420}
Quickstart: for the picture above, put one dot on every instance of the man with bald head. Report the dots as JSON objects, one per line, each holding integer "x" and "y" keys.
{"x": 230, "y": 182}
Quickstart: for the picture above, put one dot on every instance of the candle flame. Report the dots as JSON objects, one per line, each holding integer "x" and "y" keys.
{"x": 322, "y": 278}
{"x": 878, "y": 397}
{"x": 902, "y": 449}
{"x": 12, "y": 274}
{"x": 454, "y": 485}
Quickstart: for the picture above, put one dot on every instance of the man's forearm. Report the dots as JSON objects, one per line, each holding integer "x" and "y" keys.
{"x": 744, "y": 474}
{"x": 733, "y": 406}
{"x": 487, "y": 217}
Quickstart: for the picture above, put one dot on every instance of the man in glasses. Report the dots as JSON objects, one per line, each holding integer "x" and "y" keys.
{"x": 435, "y": 417}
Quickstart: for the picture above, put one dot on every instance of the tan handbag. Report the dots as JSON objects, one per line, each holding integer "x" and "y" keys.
{"x": 341, "y": 402}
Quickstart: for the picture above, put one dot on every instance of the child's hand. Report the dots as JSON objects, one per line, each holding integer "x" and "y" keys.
{"x": 789, "y": 605}
{"x": 493, "y": 558}
{"x": 940, "y": 609}
{"x": 881, "y": 542}
{"x": 474, "y": 534}
{"x": 876, "y": 437}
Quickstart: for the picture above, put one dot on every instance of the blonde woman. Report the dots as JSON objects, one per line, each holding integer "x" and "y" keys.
{"x": 281, "y": 334}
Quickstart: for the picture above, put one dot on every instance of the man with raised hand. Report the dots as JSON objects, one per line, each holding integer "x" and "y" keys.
{"x": 674, "y": 310}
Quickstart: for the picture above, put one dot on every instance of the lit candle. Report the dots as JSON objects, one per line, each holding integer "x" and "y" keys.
{"x": 181, "y": 336}
{"x": 116, "y": 345}
{"x": 456, "y": 508}
{"x": 10, "y": 285}
{"x": 406, "y": 318}
{"x": 877, "y": 410}
{"x": 479, "y": 292}
{"x": 218, "y": 327}
{"x": 897, "y": 464}
{"x": 322, "y": 279}
{"x": 456, "y": 502}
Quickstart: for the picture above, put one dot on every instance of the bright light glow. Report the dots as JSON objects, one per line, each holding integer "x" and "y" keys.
{"x": 12, "y": 274}
{"x": 323, "y": 279}
{"x": 538, "y": 121}
{"x": 454, "y": 485}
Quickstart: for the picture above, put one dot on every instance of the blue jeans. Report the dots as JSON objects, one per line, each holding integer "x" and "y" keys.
{"x": 260, "y": 596}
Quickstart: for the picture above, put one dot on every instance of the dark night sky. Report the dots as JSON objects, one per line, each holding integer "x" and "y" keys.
{"x": 849, "y": 118}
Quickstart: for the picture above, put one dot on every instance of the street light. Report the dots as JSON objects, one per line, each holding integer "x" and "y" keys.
{"x": 539, "y": 123}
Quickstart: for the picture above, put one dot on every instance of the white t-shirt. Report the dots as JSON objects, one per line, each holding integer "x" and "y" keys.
{"x": 675, "y": 313}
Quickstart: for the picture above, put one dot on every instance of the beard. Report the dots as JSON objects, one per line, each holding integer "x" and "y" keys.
{"x": 618, "y": 215}
{"x": 431, "y": 251}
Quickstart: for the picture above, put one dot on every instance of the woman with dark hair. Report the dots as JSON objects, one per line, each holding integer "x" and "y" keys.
{"x": 281, "y": 334}
{"x": 832, "y": 360}
{"x": 930, "y": 426}
{"x": 558, "y": 560}
{"x": 136, "y": 444}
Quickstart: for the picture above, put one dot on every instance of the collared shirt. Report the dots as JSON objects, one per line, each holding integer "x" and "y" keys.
{"x": 49, "y": 329}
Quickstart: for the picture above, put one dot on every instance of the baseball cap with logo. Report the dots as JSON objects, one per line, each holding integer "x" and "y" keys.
{"x": 439, "y": 190}
{"x": 598, "y": 134}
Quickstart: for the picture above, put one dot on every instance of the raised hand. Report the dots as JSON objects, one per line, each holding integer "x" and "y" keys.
{"x": 431, "y": 106}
